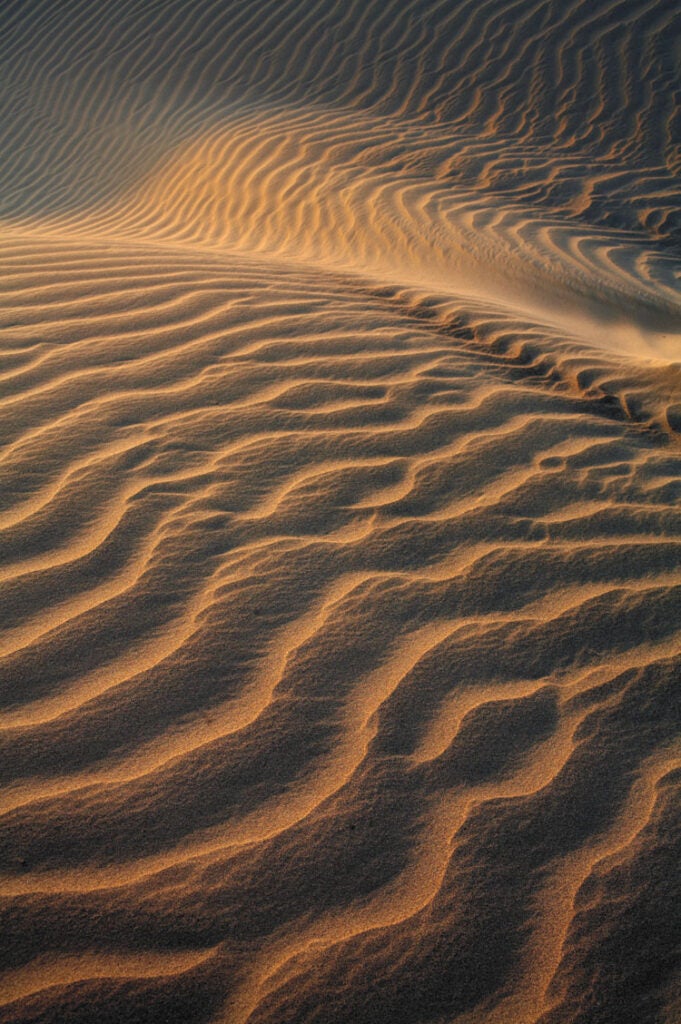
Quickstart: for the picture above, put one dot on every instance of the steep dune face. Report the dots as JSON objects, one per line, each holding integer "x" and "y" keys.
{"x": 340, "y": 519}
{"x": 512, "y": 151}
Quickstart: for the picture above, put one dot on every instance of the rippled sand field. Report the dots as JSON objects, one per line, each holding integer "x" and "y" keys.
{"x": 340, "y": 512}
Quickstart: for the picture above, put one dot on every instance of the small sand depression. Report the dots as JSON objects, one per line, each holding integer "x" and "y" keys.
{"x": 340, "y": 512}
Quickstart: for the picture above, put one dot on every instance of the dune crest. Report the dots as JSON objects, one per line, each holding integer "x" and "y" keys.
{"x": 340, "y": 519}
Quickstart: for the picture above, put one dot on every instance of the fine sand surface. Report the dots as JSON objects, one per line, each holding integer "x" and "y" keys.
{"x": 340, "y": 512}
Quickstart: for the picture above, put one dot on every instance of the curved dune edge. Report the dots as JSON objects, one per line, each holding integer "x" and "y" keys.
{"x": 340, "y": 531}
{"x": 71, "y": 970}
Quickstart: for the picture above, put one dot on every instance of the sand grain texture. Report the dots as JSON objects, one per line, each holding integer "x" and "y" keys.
{"x": 340, "y": 518}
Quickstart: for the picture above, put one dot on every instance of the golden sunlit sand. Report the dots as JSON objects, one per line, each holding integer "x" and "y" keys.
{"x": 340, "y": 512}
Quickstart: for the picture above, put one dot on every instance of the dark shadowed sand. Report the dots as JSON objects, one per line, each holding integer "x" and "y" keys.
{"x": 340, "y": 512}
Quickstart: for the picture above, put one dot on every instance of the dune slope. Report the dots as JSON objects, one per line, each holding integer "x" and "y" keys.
{"x": 340, "y": 518}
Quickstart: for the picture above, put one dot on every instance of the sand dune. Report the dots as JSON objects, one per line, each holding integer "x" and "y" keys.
{"x": 340, "y": 519}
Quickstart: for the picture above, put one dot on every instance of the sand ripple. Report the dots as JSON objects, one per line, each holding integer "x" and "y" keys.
{"x": 340, "y": 519}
